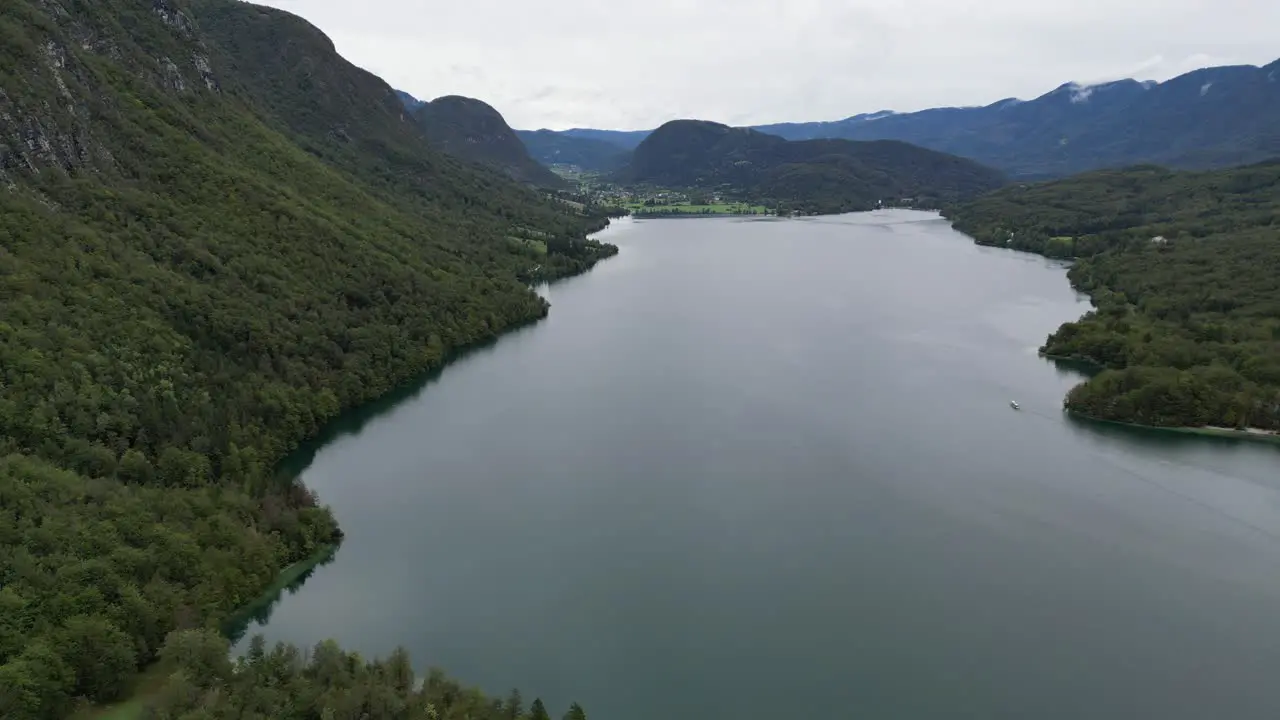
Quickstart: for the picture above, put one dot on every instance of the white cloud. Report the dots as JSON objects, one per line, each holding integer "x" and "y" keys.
{"x": 629, "y": 64}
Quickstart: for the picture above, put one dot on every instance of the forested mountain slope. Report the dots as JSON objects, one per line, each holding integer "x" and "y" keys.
{"x": 408, "y": 100}
{"x": 284, "y": 683}
{"x": 472, "y": 130}
{"x": 351, "y": 117}
{"x": 202, "y": 259}
{"x": 813, "y": 176}
{"x": 1182, "y": 268}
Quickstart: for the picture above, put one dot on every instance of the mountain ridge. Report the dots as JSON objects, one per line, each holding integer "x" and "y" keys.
{"x": 1209, "y": 117}
{"x": 473, "y": 130}
{"x": 828, "y": 175}
{"x": 551, "y": 148}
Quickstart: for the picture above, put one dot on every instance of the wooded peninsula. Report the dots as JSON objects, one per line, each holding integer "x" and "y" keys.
{"x": 1182, "y": 269}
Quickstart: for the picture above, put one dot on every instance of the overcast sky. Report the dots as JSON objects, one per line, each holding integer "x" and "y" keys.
{"x": 627, "y": 64}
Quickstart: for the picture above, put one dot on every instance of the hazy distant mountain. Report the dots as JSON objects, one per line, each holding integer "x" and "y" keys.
{"x": 1207, "y": 118}
{"x": 409, "y": 101}
{"x": 554, "y": 148}
{"x": 474, "y": 131}
{"x": 814, "y": 130}
{"x": 813, "y": 175}
{"x": 1213, "y": 117}
{"x": 626, "y": 139}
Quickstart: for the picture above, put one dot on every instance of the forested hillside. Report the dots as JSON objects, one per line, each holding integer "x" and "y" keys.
{"x": 410, "y": 102}
{"x": 1182, "y": 268}
{"x": 817, "y": 176}
{"x": 472, "y": 130}
{"x": 284, "y": 683}
{"x": 215, "y": 235}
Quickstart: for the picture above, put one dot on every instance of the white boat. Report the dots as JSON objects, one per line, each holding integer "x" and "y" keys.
{"x": 1014, "y": 404}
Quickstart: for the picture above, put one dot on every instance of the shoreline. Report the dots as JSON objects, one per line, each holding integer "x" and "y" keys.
{"x": 1087, "y": 366}
{"x": 235, "y": 625}
{"x": 678, "y": 216}
{"x": 1253, "y": 434}
{"x": 1090, "y": 367}
{"x": 149, "y": 681}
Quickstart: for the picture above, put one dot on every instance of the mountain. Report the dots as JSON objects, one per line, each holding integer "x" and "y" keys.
{"x": 811, "y": 175}
{"x": 625, "y": 139}
{"x": 289, "y": 72}
{"x": 474, "y": 131}
{"x": 217, "y": 236}
{"x": 817, "y": 130}
{"x": 410, "y": 102}
{"x": 553, "y": 148}
{"x": 1214, "y": 117}
{"x": 1181, "y": 267}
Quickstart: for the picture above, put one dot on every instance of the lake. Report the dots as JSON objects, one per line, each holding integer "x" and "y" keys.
{"x": 768, "y": 469}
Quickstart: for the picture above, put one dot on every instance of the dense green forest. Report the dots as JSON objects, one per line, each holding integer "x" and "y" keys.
{"x": 812, "y": 177}
{"x": 472, "y": 130}
{"x": 284, "y": 683}
{"x": 215, "y": 235}
{"x": 1182, "y": 268}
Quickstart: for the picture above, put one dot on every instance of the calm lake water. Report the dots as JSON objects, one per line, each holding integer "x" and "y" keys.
{"x": 768, "y": 469}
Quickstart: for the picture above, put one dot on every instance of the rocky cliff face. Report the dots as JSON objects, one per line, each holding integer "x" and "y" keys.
{"x": 50, "y": 113}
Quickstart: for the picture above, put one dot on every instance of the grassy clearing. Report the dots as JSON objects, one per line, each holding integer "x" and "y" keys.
{"x": 708, "y": 209}
{"x": 148, "y": 684}
{"x": 537, "y": 248}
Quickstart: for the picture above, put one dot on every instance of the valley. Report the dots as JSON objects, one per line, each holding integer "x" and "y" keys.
{"x": 266, "y": 319}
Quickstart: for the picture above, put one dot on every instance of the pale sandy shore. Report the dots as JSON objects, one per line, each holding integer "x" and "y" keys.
{"x": 1206, "y": 430}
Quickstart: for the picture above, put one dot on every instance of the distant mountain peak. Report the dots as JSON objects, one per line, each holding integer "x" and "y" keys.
{"x": 868, "y": 117}
{"x": 466, "y": 102}
{"x": 585, "y": 153}
{"x": 473, "y": 130}
{"x": 410, "y": 102}
{"x": 1079, "y": 93}
{"x": 823, "y": 175}
{"x": 1211, "y": 117}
